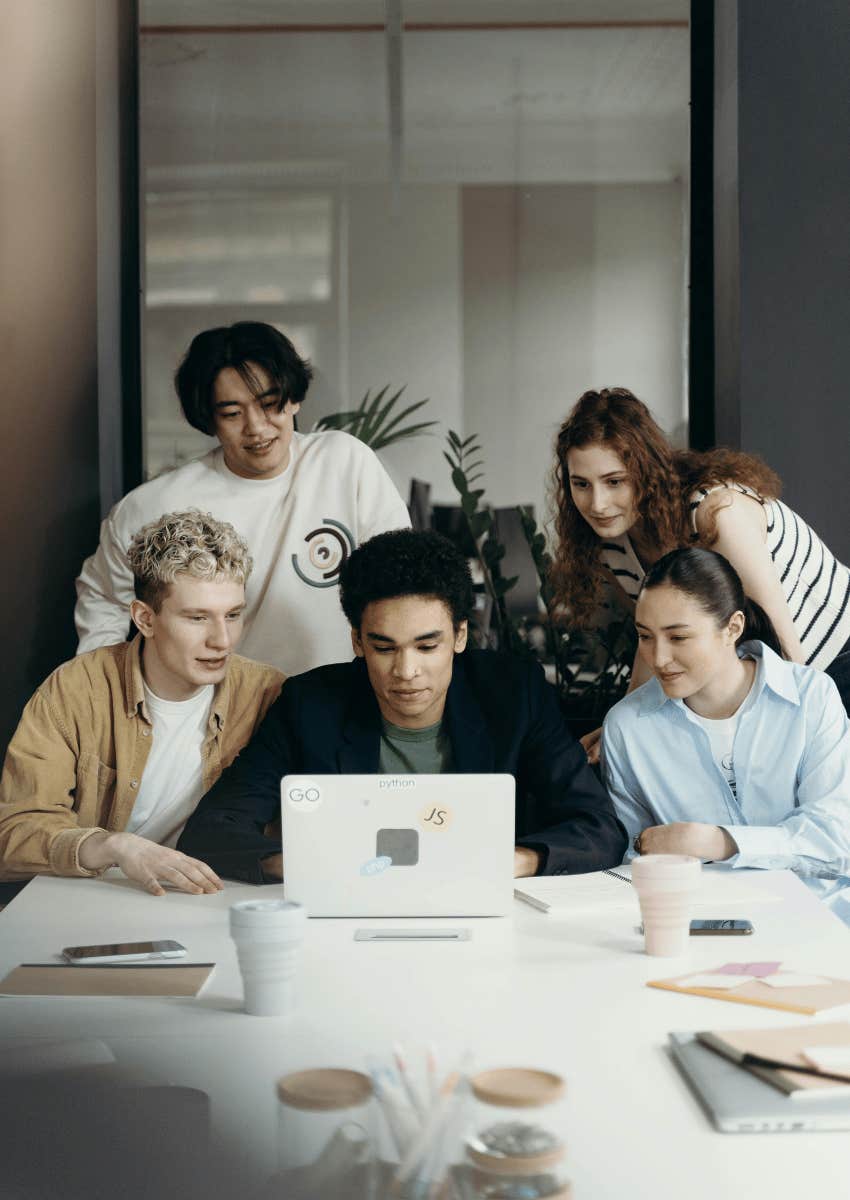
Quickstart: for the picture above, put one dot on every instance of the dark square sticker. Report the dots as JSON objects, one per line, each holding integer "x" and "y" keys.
{"x": 401, "y": 845}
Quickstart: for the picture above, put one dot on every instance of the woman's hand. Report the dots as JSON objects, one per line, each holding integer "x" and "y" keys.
{"x": 710, "y": 842}
{"x": 592, "y": 743}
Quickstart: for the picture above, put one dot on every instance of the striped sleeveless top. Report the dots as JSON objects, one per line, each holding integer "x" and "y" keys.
{"x": 815, "y": 584}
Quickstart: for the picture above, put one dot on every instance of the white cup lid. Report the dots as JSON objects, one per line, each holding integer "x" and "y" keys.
{"x": 265, "y": 914}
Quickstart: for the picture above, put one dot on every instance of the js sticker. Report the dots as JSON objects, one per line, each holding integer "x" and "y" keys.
{"x": 434, "y": 818}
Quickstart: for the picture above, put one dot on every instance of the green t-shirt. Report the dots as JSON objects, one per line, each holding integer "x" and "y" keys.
{"x": 414, "y": 751}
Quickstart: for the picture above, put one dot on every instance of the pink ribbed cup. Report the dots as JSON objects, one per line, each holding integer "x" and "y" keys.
{"x": 666, "y": 885}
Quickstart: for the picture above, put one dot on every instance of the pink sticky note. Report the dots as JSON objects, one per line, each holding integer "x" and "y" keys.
{"x": 758, "y": 970}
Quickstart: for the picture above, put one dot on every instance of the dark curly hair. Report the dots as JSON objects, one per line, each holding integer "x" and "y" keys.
{"x": 242, "y": 346}
{"x": 406, "y": 562}
{"x": 663, "y": 479}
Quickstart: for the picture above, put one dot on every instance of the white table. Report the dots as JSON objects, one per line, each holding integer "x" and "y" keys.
{"x": 563, "y": 994}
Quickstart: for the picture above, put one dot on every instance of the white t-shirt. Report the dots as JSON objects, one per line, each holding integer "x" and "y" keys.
{"x": 172, "y": 783}
{"x": 300, "y": 527}
{"x": 721, "y": 735}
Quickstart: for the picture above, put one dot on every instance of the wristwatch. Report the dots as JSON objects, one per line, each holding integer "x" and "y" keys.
{"x": 636, "y": 844}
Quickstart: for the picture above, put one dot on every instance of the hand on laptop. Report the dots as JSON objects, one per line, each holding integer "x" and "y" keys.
{"x": 147, "y": 863}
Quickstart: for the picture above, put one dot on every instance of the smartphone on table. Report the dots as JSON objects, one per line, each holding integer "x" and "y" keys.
{"x": 734, "y": 928}
{"x": 122, "y": 952}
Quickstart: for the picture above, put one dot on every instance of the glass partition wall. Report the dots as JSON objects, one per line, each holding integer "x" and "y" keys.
{"x": 485, "y": 203}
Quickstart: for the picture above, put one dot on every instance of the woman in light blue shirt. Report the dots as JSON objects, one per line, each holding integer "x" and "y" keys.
{"x": 729, "y": 753}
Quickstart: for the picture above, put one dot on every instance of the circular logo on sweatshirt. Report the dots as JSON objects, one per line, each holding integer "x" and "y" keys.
{"x": 326, "y": 549}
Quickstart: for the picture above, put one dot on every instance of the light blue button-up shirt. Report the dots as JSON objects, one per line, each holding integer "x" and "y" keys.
{"x": 792, "y": 769}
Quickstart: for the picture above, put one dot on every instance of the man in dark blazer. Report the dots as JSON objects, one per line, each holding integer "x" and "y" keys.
{"x": 414, "y": 699}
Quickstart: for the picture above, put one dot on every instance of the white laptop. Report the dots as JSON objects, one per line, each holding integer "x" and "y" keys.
{"x": 399, "y": 845}
{"x": 739, "y": 1102}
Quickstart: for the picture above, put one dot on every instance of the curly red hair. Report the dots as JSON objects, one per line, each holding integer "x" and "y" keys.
{"x": 663, "y": 478}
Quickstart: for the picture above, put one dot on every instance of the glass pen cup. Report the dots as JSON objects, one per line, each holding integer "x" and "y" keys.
{"x": 327, "y": 1135}
{"x": 515, "y": 1147}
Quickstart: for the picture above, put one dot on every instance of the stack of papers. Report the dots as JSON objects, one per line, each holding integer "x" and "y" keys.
{"x": 771, "y": 1054}
{"x": 790, "y": 990}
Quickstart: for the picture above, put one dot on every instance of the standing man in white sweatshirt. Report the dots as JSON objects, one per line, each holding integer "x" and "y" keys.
{"x": 303, "y": 502}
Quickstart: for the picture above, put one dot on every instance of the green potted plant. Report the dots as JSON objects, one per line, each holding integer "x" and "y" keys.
{"x": 375, "y": 423}
{"x": 591, "y": 668}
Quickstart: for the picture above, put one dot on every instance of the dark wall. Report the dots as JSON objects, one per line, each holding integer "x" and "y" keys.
{"x": 782, "y": 247}
{"x": 48, "y": 333}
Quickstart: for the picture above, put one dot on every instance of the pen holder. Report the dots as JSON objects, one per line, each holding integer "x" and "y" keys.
{"x": 515, "y": 1147}
{"x": 327, "y": 1135}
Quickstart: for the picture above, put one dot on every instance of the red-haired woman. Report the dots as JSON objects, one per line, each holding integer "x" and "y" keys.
{"x": 624, "y": 497}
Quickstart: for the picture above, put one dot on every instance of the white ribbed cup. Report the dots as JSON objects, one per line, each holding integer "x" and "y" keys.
{"x": 268, "y": 935}
{"x": 666, "y": 885}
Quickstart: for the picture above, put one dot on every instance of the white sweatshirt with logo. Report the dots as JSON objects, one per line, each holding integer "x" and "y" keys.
{"x": 300, "y": 527}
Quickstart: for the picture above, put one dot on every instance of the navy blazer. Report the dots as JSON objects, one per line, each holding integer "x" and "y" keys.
{"x": 502, "y": 716}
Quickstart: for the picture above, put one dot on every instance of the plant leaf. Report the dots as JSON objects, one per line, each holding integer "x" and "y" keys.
{"x": 372, "y": 416}
{"x": 501, "y": 585}
{"x": 479, "y": 523}
{"x": 409, "y": 431}
{"x": 405, "y": 412}
{"x": 459, "y": 480}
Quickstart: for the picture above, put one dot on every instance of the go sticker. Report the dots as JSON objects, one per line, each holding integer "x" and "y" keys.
{"x": 435, "y": 819}
{"x": 304, "y": 795}
{"x": 375, "y": 866}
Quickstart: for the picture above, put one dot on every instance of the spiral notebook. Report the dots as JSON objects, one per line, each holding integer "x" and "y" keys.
{"x": 607, "y": 891}
{"x": 720, "y": 894}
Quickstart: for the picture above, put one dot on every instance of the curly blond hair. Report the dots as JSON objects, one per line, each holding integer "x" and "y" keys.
{"x": 185, "y": 543}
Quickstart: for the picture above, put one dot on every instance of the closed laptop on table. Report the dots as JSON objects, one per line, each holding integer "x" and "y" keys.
{"x": 398, "y": 845}
{"x": 738, "y": 1102}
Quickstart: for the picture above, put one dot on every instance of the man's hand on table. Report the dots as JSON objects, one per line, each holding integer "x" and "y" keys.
{"x": 272, "y": 868}
{"x": 526, "y": 862}
{"x": 709, "y": 842}
{"x": 147, "y": 863}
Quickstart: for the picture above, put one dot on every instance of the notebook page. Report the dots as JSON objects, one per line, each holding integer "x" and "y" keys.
{"x": 720, "y": 894}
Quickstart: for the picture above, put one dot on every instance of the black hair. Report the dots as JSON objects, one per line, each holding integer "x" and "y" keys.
{"x": 242, "y": 346}
{"x": 406, "y": 562}
{"x": 713, "y": 582}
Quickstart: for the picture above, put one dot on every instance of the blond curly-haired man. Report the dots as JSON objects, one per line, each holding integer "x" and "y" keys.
{"x": 117, "y": 746}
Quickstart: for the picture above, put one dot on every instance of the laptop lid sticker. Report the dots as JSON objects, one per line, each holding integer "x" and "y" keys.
{"x": 376, "y": 866}
{"x": 435, "y": 819}
{"x": 304, "y": 795}
{"x": 401, "y": 845}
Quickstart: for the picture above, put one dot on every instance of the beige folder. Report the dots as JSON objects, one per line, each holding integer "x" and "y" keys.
{"x": 809, "y": 1000}
{"x": 33, "y": 979}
